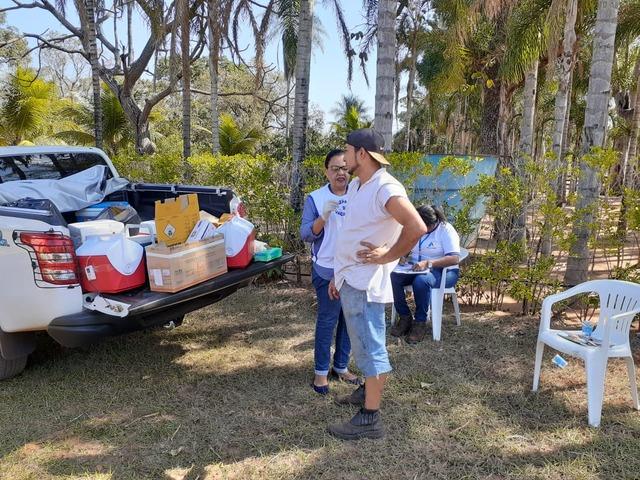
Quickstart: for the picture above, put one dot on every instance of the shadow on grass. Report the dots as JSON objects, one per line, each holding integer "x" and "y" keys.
{"x": 227, "y": 395}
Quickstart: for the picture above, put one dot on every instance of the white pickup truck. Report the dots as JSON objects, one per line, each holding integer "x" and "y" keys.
{"x": 39, "y": 286}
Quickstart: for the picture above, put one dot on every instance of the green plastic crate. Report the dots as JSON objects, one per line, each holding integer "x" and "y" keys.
{"x": 268, "y": 254}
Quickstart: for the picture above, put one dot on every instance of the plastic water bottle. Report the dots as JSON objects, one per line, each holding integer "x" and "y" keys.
{"x": 559, "y": 361}
{"x": 587, "y": 329}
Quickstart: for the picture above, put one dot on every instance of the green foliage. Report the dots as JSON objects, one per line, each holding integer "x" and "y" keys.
{"x": 351, "y": 120}
{"x": 116, "y": 130}
{"x": 261, "y": 182}
{"x": 27, "y": 107}
{"x": 236, "y": 140}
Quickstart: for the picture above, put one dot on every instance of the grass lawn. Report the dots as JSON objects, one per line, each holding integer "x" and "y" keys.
{"x": 227, "y": 395}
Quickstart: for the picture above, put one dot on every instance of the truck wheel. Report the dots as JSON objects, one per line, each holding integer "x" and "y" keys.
{"x": 11, "y": 368}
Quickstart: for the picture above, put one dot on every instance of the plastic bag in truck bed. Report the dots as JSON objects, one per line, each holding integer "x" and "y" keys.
{"x": 69, "y": 194}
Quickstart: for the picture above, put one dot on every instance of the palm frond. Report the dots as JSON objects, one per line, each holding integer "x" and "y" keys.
{"x": 628, "y": 22}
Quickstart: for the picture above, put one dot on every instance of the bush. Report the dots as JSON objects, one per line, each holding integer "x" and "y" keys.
{"x": 261, "y": 182}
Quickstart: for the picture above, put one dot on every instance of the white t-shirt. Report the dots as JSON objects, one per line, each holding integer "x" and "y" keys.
{"x": 367, "y": 219}
{"x": 436, "y": 244}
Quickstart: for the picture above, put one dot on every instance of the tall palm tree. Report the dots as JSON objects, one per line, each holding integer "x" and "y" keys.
{"x": 182, "y": 17}
{"x": 525, "y": 149}
{"x": 564, "y": 67}
{"x": 411, "y": 33}
{"x": 385, "y": 70}
{"x": 301, "y": 103}
{"x": 87, "y": 10}
{"x": 593, "y": 135}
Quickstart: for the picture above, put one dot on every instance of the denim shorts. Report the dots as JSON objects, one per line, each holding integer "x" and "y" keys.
{"x": 366, "y": 327}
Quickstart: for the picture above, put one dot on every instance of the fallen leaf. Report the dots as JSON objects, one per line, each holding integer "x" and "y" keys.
{"x": 176, "y": 451}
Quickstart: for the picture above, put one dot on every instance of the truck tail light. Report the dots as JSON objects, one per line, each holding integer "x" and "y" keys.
{"x": 55, "y": 256}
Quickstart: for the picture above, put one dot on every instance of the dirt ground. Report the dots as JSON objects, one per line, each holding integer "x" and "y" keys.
{"x": 227, "y": 395}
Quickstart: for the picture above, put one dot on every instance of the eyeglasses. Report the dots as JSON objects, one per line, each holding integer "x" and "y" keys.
{"x": 336, "y": 169}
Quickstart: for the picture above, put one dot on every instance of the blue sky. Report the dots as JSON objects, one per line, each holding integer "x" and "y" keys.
{"x": 328, "y": 67}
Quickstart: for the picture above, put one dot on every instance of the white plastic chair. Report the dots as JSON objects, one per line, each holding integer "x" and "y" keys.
{"x": 437, "y": 300}
{"x": 619, "y": 304}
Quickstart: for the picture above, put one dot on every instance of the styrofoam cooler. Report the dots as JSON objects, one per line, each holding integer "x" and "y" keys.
{"x": 239, "y": 241}
{"x": 79, "y": 231}
{"x": 111, "y": 264}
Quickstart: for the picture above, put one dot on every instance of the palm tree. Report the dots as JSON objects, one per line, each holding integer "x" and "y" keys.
{"x": 301, "y": 103}
{"x": 351, "y": 120}
{"x": 564, "y": 67}
{"x": 27, "y": 106}
{"x": 117, "y": 130}
{"x": 347, "y": 102}
{"x": 525, "y": 149}
{"x": 411, "y": 33}
{"x": 235, "y": 140}
{"x": 182, "y": 18}
{"x": 87, "y": 10}
{"x": 593, "y": 135}
{"x": 385, "y": 70}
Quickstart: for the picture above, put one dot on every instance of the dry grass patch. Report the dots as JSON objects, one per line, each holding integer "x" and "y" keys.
{"x": 227, "y": 395}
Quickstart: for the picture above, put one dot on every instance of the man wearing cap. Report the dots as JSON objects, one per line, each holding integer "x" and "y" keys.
{"x": 380, "y": 225}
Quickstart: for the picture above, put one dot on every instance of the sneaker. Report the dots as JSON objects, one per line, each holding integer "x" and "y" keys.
{"x": 417, "y": 333}
{"x": 362, "y": 425}
{"x": 354, "y": 398}
{"x": 402, "y": 326}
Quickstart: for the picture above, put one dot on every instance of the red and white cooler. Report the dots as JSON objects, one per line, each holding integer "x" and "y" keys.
{"x": 111, "y": 264}
{"x": 239, "y": 241}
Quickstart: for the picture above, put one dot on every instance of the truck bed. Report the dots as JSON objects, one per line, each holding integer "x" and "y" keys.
{"x": 149, "y": 309}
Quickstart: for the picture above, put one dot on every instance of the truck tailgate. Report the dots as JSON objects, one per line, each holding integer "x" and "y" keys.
{"x": 153, "y": 308}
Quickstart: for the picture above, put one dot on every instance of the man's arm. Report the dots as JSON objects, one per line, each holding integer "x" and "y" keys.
{"x": 413, "y": 228}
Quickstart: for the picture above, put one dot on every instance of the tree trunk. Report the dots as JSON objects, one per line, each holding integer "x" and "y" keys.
{"x": 593, "y": 135}
{"x": 527, "y": 139}
{"x": 564, "y": 69}
{"x": 130, "y": 32}
{"x": 185, "y": 36}
{"x": 490, "y": 118}
{"x": 116, "y": 41}
{"x": 301, "y": 102}
{"x": 635, "y": 129}
{"x": 385, "y": 70}
{"x": 631, "y": 162}
{"x": 95, "y": 70}
{"x": 410, "y": 87}
{"x": 214, "y": 60}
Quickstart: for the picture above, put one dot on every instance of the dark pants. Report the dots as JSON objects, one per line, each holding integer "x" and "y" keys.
{"x": 422, "y": 285}
{"x": 330, "y": 318}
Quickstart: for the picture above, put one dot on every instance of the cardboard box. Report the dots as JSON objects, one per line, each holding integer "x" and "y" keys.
{"x": 204, "y": 229}
{"x": 175, "y": 268}
{"x": 176, "y": 217}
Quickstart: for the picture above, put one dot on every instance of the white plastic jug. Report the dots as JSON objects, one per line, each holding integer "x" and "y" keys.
{"x": 236, "y": 232}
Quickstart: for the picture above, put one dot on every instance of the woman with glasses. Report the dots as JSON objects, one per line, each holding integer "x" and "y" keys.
{"x": 322, "y": 217}
{"x": 436, "y": 249}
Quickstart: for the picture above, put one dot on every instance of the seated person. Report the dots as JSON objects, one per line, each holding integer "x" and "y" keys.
{"x": 436, "y": 249}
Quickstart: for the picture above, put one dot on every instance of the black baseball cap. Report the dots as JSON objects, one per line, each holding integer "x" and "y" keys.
{"x": 371, "y": 140}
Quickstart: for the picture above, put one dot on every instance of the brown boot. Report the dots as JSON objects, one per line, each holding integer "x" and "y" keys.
{"x": 402, "y": 326}
{"x": 417, "y": 333}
